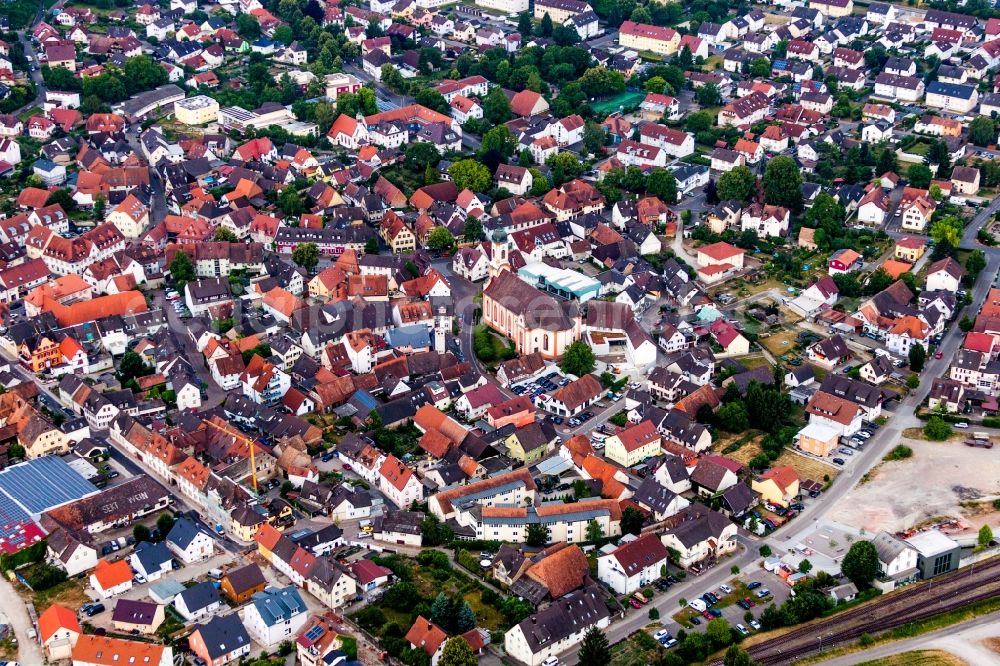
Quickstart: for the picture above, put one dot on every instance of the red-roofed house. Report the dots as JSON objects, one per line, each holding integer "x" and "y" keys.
{"x": 58, "y": 629}
{"x": 633, "y": 565}
{"x": 718, "y": 261}
{"x": 778, "y": 485}
{"x": 427, "y": 636}
{"x": 111, "y": 579}
{"x": 399, "y": 483}
{"x": 729, "y": 337}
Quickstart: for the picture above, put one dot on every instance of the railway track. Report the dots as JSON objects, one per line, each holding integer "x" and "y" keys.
{"x": 918, "y": 602}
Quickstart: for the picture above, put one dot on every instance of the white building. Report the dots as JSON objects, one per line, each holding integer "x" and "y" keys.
{"x": 633, "y": 565}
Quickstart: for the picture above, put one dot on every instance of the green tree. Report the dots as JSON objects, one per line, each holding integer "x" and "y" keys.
{"x": 632, "y": 520}
{"x": 537, "y": 535}
{"x": 466, "y": 618}
{"x": 578, "y": 359}
{"x": 917, "y": 357}
{"x": 499, "y": 139}
{"x": 737, "y": 656}
{"x": 966, "y": 324}
{"x": 565, "y": 167}
{"x": 948, "y": 229}
{"x": 393, "y": 79}
{"x": 63, "y": 198}
{"x": 594, "y": 531}
{"x": 878, "y": 280}
{"x": 912, "y": 381}
{"x": 141, "y": 533}
{"x": 470, "y": 174}
{"x": 164, "y": 524}
{"x": 291, "y": 203}
{"x": 733, "y": 417}
{"x": 985, "y": 537}
{"x": 440, "y": 239}
{"x": 421, "y": 155}
{"x": 594, "y": 137}
{"x": 473, "y": 229}
{"x": 860, "y": 564}
{"x": 545, "y": 27}
{"x": 760, "y": 67}
{"x": 248, "y": 27}
{"x": 719, "y": 632}
{"x": 765, "y": 551}
{"x": 306, "y": 255}
{"x": 601, "y": 81}
{"x": 708, "y": 95}
{"x": 655, "y": 84}
{"x": 699, "y": 121}
{"x": 920, "y": 175}
{"x": 662, "y": 184}
{"x": 496, "y": 107}
{"x": 805, "y": 566}
{"x": 937, "y": 429}
{"x": 886, "y": 162}
{"x": 181, "y": 270}
{"x": 783, "y": 183}
{"x": 540, "y": 184}
{"x": 371, "y": 246}
{"x": 224, "y": 234}
{"x": 284, "y": 34}
{"x": 974, "y": 265}
{"x": 525, "y": 25}
{"x": 433, "y": 100}
{"x": 457, "y": 653}
{"x": 594, "y": 650}
{"x": 983, "y": 131}
{"x": 739, "y": 183}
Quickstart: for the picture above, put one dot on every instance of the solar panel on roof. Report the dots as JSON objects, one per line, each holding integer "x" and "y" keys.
{"x": 38, "y": 485}
{"x": 315, "y": 633}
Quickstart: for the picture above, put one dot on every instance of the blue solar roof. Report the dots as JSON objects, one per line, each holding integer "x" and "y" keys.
{"x": 30, "y": 488}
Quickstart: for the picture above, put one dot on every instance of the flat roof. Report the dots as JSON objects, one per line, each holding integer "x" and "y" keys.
{"x": 33, "y": 487}
{"x": 561, "y": 277}
{"x": 196, "y": 102}
{"x": 931, "y": 543}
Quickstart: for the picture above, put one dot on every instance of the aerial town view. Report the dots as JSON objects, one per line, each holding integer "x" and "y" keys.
{"x": 501, "y": 332}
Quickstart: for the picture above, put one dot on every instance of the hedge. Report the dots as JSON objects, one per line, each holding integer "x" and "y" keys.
{"x": 30, "y": 555}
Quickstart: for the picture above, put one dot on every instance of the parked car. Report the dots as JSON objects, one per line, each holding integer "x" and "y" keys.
{"x": 938, "y": 354}
{"x": 838, "y": 461}
{"x": 762, "y": 593}
{"x": 846, "y": 451}
{"x": 753, "y": 585}
{"x": 715, "y": 612}
{"x": 634, "y": 603}
{"x": 863, "y": 434}
{"x": 742, "y": 629}
{"x": 726, "y": 589}
{"x": 963, "y": 425}
{"x": 755, "y": 624}
{"x": 695, "y": 621}
{"x": 551, "y": 661}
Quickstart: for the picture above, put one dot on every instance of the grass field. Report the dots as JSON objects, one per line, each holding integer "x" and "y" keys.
{"x": 806, "y": 468}
{"x": 625, "y": 101}
{"x": 918, "y": 658}
{"x": 781, "y": 343}
{"x": 69, "y": 593}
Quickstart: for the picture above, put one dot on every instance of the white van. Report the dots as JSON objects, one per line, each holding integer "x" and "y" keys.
{"x": 698, "y": 605}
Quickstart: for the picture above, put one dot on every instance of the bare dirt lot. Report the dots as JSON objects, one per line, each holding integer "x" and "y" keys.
{"x": 941, "y": 479}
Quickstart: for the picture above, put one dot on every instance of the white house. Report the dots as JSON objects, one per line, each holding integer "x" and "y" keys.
{"x": 275, "y": 615}
{"x": 558, "y": 627}
{"x": 189, "y": 543}
{"x": 945, "y": 275}
{"x": 197, "y": 602}
{"x": 633, "y": 565}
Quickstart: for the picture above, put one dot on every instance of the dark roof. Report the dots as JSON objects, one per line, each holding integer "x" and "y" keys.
{"x": 653, "y": 496}
{"x": 183, "y": 533}
{"x": 570, "y": 615}
{"x": 200, "y": 596}
{"x": 134, "y": 612}
{"x": 245, "y": 578}
{"x": 223, "y": 635}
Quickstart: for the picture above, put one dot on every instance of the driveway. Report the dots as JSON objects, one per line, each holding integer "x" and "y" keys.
{"x": 28, "y": 650}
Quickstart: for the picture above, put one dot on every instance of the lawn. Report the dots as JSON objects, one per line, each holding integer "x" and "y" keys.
{"x": 806, "y": 468}
{"x": 69, "y": 593}
{"x": 626, "y": 101}
{"x": 780, "y": 343}
{"x": 918, "y": 658}
{"x": 919, "y": 148}
{"x": 33, "y": 111}
{"x": 639, "y": 649}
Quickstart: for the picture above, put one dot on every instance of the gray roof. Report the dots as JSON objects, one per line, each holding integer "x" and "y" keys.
{"x": 223, "y": 635}
{"x": 152, "y": 556}
{"x": 573, "y": 614}
{"x": 200, "y": 596}
{"x": 653, "y": 495}
{"x": 278, "y": 604}
{"x": 888, "y": 547}
{"x": 183, "y": 533}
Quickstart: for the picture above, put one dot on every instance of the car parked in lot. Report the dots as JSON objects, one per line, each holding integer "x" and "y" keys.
{"x": 753, "y": 585}
{"x": 838, "y": 461}
{"x": 846, "y": 451}
{"x": 755, "y": 624}
{"x": 695, "y": 621}
{"x": 763, "y": 592}
{"x": 742, "y": 629}
{"x": 725, "y": 589}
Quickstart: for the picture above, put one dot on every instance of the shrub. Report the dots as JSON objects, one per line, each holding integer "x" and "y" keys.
{"x": 900, "y": 452}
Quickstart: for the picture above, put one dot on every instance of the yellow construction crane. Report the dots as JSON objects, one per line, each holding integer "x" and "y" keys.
{"x": 240, "y": 437}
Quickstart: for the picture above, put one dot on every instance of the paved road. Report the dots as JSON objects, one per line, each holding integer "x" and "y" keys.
{"x": 28, "y": 650}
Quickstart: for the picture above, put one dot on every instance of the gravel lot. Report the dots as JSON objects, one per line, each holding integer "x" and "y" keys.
{"x": 940, "y": 479}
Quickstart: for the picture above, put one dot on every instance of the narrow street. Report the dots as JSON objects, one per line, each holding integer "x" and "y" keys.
{"x": 29, "y": 650}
